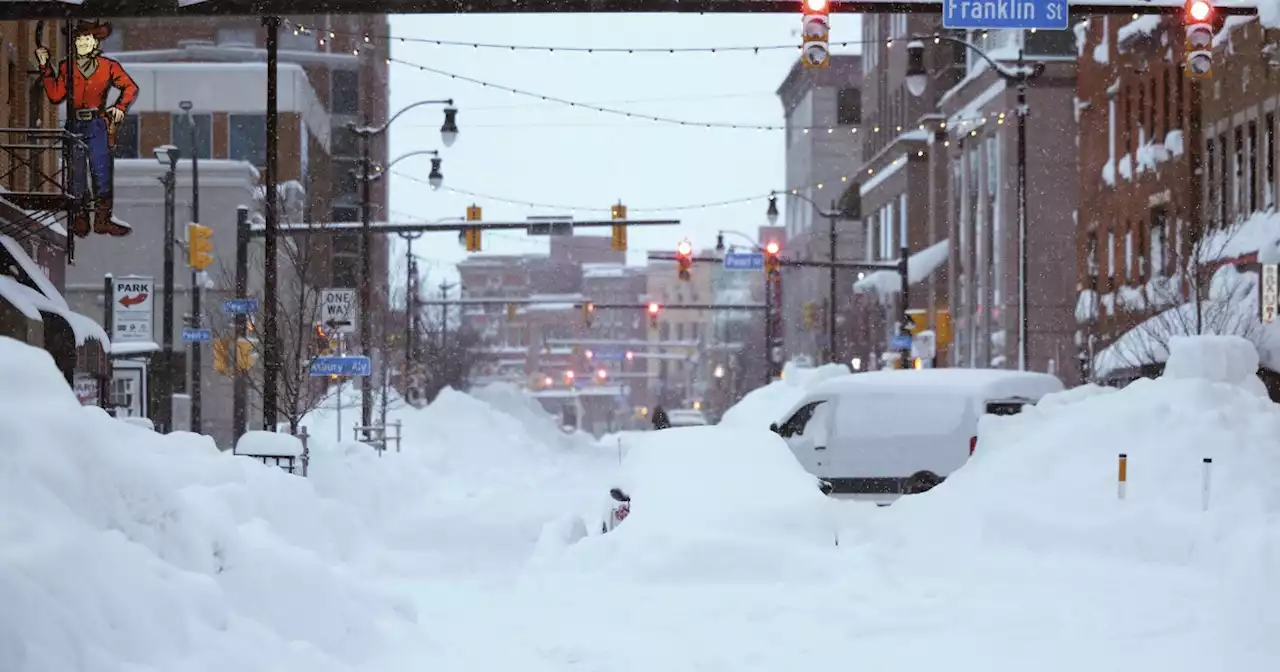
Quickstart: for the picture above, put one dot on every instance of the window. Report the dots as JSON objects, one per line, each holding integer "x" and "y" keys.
{"x": 344, "y": 214}
{"x": 902, "y": 225}
{"x": 1166, "y": 108}
{"x": 1177, "y": 100}
{"x": 127, "y": 138}
{"x": 1129, "y": 254}
{"x": 346, "y": 256}
{"x": 1210, "y": 165}
{"x": 1111, "y": 255}
{"x": 247, "y": 139}
{"x": 1253, "y": 166}
{"x": 345, "y": 185}
{"x": 1155, "y": 243}
{"x": 849, "y": 107}
{"x": 1140, "y": 119}
{"x": 1051, "y": 42}
{"x": 1091, "y": 254}
{"x": 345, "y": 98}
{"x": 181, "y": 135}
{"x": 343, "y": 142}
{"x": 794, "y": 426}
{"x": 1237, "y": 173}
{"x": 1269, "y": 162}
{"x": 1223, "y": 179}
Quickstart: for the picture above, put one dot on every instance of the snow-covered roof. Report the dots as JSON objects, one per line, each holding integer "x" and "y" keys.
{"x": 920, "y": 265}
{"x": 1261, "y": 229}
{"x": 1143, "y": 25}
{"x": 44, "y": 297}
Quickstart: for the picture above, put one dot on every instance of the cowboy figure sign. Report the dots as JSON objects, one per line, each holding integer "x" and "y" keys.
{"x": 93, "y": 120}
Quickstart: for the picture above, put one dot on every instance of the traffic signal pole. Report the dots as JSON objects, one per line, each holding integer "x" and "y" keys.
{"x": 197, "y": 362}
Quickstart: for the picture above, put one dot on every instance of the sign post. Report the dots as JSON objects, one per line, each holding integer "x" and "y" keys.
{"x": 1004, "y": 14}
{"x": 338, "y": 310}
{"x": 132, "y": 313}
{"x": 1270, "y": 302}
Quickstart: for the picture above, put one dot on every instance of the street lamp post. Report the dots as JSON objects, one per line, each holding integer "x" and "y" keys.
{"x": 846, "y": 210}
{"x": 1018, "y": 75}
{"x": 366, "y": 132}
{"x": 196, "y": 318}
{"x": 168, "y": 156}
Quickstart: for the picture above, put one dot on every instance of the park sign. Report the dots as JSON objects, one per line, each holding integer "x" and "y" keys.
{"x": 1004, "y": 14}
{"x": 132, "y": 309}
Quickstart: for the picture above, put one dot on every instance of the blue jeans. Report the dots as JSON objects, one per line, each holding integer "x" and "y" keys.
{"x": 100, "y": 162}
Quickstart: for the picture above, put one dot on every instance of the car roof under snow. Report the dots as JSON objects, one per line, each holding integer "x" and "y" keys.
{"x": 990, "y": 383}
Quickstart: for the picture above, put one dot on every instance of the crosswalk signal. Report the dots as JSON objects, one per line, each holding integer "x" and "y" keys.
{"x": 472, "y": 239}
{"x": 654, "y": 310}
{"x": 684, "y": 260}
{"x": 815, "y": 51}
{"x": 618, "y": 240}
{"x": 199, "y": 246}
{"x": 588, "y": 313}
{"x": 772, "y": 265}
{"x": 473, "y": 213}
{"x": 1202, "y": 23}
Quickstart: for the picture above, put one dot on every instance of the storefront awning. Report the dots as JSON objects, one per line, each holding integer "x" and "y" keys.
{"x": 920, "y": 266}
{"x": 25, "y": 287}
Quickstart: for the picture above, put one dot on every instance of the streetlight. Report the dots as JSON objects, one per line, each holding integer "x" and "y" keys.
{"x": 719, "y": 371}
{"x": 366, "y": 132}
{"x": 196, "y": 318}
{"x": 435, "y": 178}
{"x": 1018, "y": 75}
{"x": 849, "y": 208}
{"x": 168, "y": 156}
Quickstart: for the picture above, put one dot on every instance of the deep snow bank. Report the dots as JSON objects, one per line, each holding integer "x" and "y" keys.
{"x": 765, "y": 405}
{"x": 124, "y": 549}
{"x": 710, "y": 503}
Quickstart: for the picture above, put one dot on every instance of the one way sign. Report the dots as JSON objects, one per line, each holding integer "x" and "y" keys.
{"x": 338, "y": 310}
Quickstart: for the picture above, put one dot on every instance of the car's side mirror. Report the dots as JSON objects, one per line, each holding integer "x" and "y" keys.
{"x": 618, "y": 495}
{"x": 773, "y": 427}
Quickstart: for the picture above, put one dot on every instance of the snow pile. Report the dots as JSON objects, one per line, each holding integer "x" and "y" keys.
{"x": 517, "y": 403}
{"x": 764, "y": 405}
{"x": 1040, "y": 495}
{"x": 124, "y": 549}
{"x": 711, "y": 503}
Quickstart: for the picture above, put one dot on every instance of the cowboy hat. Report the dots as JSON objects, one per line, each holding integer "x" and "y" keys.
{"x": 100, "y": 30}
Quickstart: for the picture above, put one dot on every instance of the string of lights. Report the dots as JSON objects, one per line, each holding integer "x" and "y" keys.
{"x": 856, "y": 128}
{"x": 324, "y": 36}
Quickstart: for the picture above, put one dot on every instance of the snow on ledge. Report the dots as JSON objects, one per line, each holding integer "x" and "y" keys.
{"x": 920, "y": 265}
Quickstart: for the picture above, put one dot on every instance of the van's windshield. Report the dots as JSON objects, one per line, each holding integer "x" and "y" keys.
{"x": 1006, "y": 407}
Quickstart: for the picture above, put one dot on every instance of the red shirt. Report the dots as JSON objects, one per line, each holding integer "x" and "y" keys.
{"x": 91, "y": 92}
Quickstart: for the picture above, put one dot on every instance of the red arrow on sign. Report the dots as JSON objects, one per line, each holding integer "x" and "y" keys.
{"x": 128, "y": 301}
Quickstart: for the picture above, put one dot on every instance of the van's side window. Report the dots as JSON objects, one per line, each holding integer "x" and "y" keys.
{"x": 794, "y": 426}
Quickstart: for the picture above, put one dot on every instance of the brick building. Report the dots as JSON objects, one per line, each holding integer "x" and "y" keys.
{"x": 1155, "y": 226}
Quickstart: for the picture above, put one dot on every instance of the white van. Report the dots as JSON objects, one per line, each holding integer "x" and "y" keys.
{"x": 882, "y": 434}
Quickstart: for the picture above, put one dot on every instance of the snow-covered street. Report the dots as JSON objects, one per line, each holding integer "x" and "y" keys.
{"x": 121, "y": 549}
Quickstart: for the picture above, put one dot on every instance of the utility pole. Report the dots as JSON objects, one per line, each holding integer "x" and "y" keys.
{"x": 366, "y": 279}
{"x": 240, "y": 389}
{"x": 831, "y": 291}
{"x": 197, "y": 362}
{"x": 270, "y": 335}
{"x": 444, "y": 315}
{"x": 168, "y": 156}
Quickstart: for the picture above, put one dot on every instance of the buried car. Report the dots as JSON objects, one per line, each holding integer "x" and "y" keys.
{"x": 704, "y": 473}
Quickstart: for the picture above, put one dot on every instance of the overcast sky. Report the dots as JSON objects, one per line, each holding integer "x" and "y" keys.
{"x": 524, "y": 149}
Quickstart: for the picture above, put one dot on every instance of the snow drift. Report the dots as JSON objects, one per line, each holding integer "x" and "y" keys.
{"x": 124, "y": 549}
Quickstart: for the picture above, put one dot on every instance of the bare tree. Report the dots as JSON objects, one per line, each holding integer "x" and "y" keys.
{"x": 1201, "y": 296}
{"x": 299, "y": 341}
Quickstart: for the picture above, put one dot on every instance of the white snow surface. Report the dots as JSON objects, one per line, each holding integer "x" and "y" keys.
{"x": 121, "y": 549}
{"x": 765, "y": 405}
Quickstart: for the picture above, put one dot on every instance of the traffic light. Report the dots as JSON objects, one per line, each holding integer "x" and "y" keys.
{"x": 602, "y": 375}
{"x": 588, "y": 313}
{"x": 199, "y": 246}
{"x": 473, "y": 213}
{"x": 221, "y": 356}
{"x": 919, "y": 320}
{"x": 618, "y": 241}
{"x": 654, "y": 310}
{"x": 630, "y": 355}
{"x": 684, "y": 259}
{"x": 815, "y": 51}
{"x": 772, "y": 265}
{"x": 321, "y": 343}
{"x": 511, "y": 312}
{"x": 1201, "y": 24}
{"x": 808, "y": 315}
{"x": 472, "y": 239}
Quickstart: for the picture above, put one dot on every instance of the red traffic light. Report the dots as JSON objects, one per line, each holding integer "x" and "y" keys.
{"x": 685, "y": 248}
{"x": 568, "y": 375}
{"x": 1199, "y": 10}
{"x": 772, "y": 247}
{"x": 654, "y": 308}
{"x": 602, "y": 374}
{"x": 815, "y": 5}
{"x": 630, "y": 355}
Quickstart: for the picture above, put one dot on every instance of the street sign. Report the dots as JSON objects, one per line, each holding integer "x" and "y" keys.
{"x": 924, "y": 345}
{"x": 743, "y": 261}
{"x": 608, "y": 355}
{"x": 901, "y": 342}
{"x": 341, "y": 366}
{"x": 338, "y": 310}
{"x": 196, "y": 335}
{"x": 1270, "y": 292}
{"x": 240, "y": 306}
{"x": 132, "y": 314}
{"x": 1004, "y": 14}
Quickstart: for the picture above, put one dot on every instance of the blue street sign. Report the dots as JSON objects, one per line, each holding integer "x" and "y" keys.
{"x": 240, "y": 306}
{"x": 196, "y": 335}
{"x": 901, "y": 342}
{"x": 608, "y": 355}
{"x": 1004, "y": 14}
{"x": 743, "y": 261}
{"x": 341, "y": 366}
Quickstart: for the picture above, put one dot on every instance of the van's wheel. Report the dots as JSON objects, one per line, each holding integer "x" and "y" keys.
{"x": 921, "y": 481}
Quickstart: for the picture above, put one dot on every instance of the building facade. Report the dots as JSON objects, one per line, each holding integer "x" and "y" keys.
{"x": 677, "y": 377}
{"x": 824, "y": 112}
